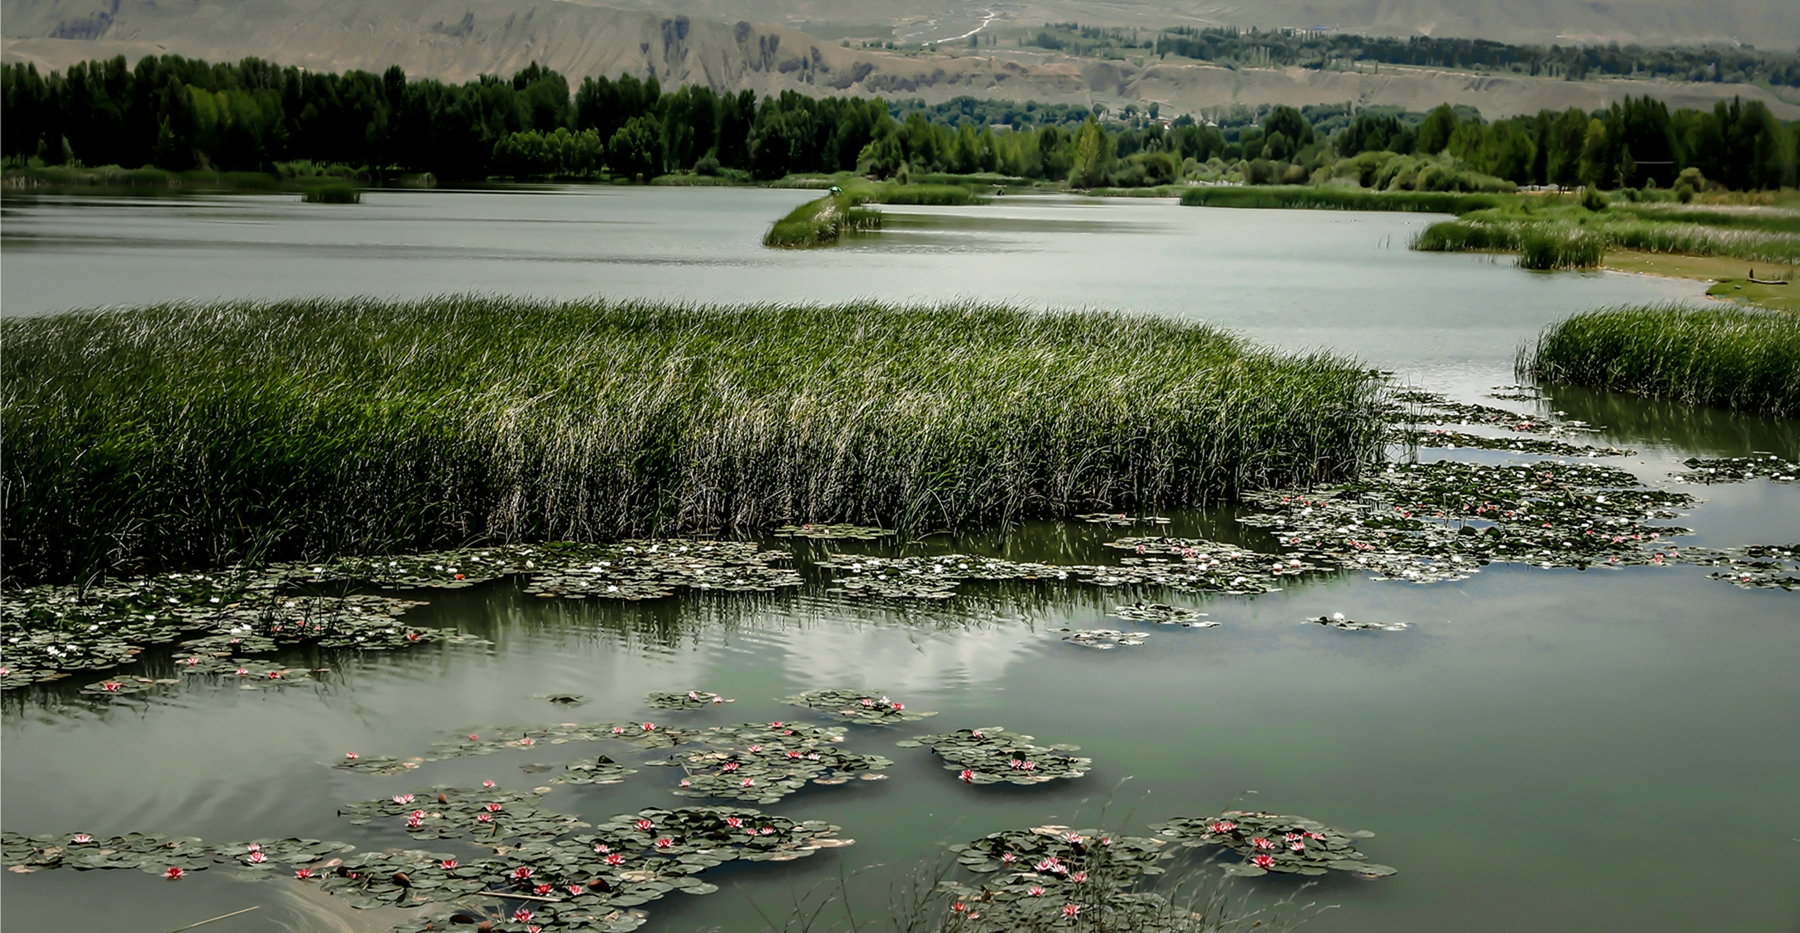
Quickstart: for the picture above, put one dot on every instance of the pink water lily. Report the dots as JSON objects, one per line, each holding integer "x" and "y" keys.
{"x": 1223, "y": 826}
{"x": 521, "y": 915}
{"x": 618, "y": 730}
{"x": 899, "y": 706}
{"x": 664, "y": 842}
{"x": 418, "y": 814}
{"x": 492, "y": 808}
{"x": 731, "y": 766}
{"x": 649, "y": 727}
{"x": 81, "y": 838}
{"x": 448, "y": 864}
{"x": 1048, "y": 864}
{"x": 487, "y": 783}
{"x": 1008, "y": 859}
{"x": 615, "y": 859}
{"x": 685, "y": 782}
{"x": 413, "y": 822}
{"x": 257, "y": 858}
{"x": 1078, "y": 877}
{"x": 575, "y": 890}
{"x": 767, "y": 831}
{"x": 111, "y": 686}
{"x": 734, "y": 822}
{"x": 1290, "y": 837}
{"x": 521, "y": 873}
{"x": 526, "y": 741}
{"x": 644, "y": 824}
{"x": 967, "y": 776}
{"x": 1263, "y": 862}
{"x": 542, "y": 889}
{"x": 403, "y": 798}
{"x": 1034, "y": 891}
{"x": 352, "y": 755}
{"x": 1071, "y": 910}
{"x": 749, "y": 782}
{"x": 755, "y": 748}
{"x": 303, "y": 873}
{"x": 1073, "y": 837}
{"x": 1297, "y": 846}
{"x": 484, "y": 817}
{"x": 1262, "y": 843}
{"x": 174, "y": 874}
{"x": 603, "y": 848}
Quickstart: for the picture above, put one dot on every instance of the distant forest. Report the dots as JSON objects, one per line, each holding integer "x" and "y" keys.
{"x": 180, "y": 114}
{"x": 1321, "y": 48}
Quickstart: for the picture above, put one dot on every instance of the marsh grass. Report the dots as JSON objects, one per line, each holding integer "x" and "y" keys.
{"x": 822, "y": 222}
{"x": 1562, "y": 249}
{"x": 207, "y": 433}
{"x": 933, "y": 195}
{"x": 1341, "y": 199}
{"x": 1724, "y": 357}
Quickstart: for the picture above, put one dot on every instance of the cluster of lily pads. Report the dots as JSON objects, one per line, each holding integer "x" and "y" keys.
{"x": 1755, "y": 566}
{"x": 48, "y": 632}
{"x": 1424, "y": 522}
{"x": 1417, "y": 407}
{"x": 823, "y": 532}
{"x": 859, "y": 707}
{"x": 764, "y": 763}
{"x": 631, "y": 570}
{"x": 543, "y": 873}
{"x": 1186, "y": 564}
{"x": 1440, "y": 437}
{"x": 992, "y": 755}
{"x": 1103, "y": 638}
{"x": 1273, "y": 842}
{"x": 691, "y": 700}
{"x": 1116, "y": 519}
{"x": 1338, "y": 620}
{"x": 1048, "y": 875}
{"x": 1162, "y": 614}
{"x": 1738, "y": 469}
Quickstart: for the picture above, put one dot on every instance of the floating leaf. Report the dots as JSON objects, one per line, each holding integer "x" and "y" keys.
{"x": 866, "y": 708}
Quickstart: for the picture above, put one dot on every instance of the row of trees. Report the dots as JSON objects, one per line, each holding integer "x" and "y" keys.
{"x": 180, "y": 113}
{"x": 1636, "y": 142}
{"x": 1319, "y": 48}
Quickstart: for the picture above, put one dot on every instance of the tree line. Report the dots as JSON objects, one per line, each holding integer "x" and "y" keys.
{"x": 178, "y": 114}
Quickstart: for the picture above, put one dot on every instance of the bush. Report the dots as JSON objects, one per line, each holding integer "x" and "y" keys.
{"x": 1593, "y": 200}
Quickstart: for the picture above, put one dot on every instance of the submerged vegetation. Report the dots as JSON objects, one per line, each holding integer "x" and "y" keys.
{"x": 1725, "y": 357}
{"x": 208, "y": 434}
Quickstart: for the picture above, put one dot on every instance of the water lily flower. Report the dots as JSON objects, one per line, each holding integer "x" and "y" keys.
{"x": 403, "y": 798}
{"x": 686, "y": 782}
{"x": 111, "y": 686}
{"x": 618, "y": 730}
{"x": 1078, "y": 877}
{"x": 749, "y": 782}
{"x": 1290, "y": 837}
{"x": 352, "y": 756}
{"x": 1262, "y": 843}
{"x": 1073, "y": 837}
{"x": 1263, "y": 862}
{"x": 1034, "y": 891}
{"x": 487, "y": 783}
{"x": 899, "y": 706}
{"x": 1071, "y": 910}
{"x": 526, "y": 741}
{"x": 1223, "y": 826}
{"x": 542, "y": 889}
{"x": 755, "y": 748}
{"x": 303, "y": 873}
{"x": 174, "y": 874}
{"x": 1046, "y": 864}
{"x": 959, "y": 908}
{"x": 967, "y": 776}
{"x": 644, "y": 824}
{"x": 521, "y": 915}
{"x": 492, "y": 808}
{"x": 484, "y": 817}
{"x": 615, "y": 859}
{"x": 575, "y": 890}
{"x": 649, "y": 727}
{"x": 767, "y": 831}
{"x": 521, "y": 873}
{"x": 256, "y": 858}
{"x": 664, "y": 842}
{"x": 734, "y": 822}
{"x": 1297, "y": 846}
{"x": 448, "y": 864}
{"x": 731, "y": 766}
{"x": 413, "y": 822}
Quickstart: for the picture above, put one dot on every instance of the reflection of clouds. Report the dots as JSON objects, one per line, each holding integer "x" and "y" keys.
{"x": 904, "y": 659}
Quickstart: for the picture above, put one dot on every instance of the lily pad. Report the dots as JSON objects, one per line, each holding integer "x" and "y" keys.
{"x": 764, "y": 763}
{"x": 1103, "y": 638}
{"x": 832, "y": 532}
{"x": 1738, "y": 469}
{"x": 1030, "y": 878}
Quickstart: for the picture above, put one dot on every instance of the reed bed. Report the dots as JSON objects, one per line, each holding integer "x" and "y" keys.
{"x": 200, "y": 434}
{"x": 1509, "y": 233}
{"x": 1341, "y": 199}
{"x": 1561, "y": 249}
{"x": 931, "y": 195}
{"x": 1734, "y": 358}
{"x": 822, "y": 222}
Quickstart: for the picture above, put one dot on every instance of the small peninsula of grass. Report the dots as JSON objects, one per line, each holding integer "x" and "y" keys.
{"x": 204, "y": 434}
{"x": 1734, "y": 358}
{"x": 822, "y": 222}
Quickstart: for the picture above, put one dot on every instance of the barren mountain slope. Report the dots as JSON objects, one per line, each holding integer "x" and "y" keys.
{"x": 459, "y": 39}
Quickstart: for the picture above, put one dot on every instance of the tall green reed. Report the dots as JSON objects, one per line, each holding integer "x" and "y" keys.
{"x": 202, "y": 434}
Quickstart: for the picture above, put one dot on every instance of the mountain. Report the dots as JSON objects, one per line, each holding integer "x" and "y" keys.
{"x": 460, "y": 39}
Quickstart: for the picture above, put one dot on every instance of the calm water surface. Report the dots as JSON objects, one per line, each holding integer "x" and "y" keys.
{"x": 1543, "y": 750}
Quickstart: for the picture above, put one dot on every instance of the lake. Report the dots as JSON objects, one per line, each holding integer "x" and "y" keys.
{"x": 1562, "y": 750}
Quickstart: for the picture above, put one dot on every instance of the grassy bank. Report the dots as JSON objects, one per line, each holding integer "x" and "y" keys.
{"x": 201, "y": 434}
{"x": 1725, "y": 357}
{"x": 1339, "y": 199}
{"x": 822, "y": 222}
